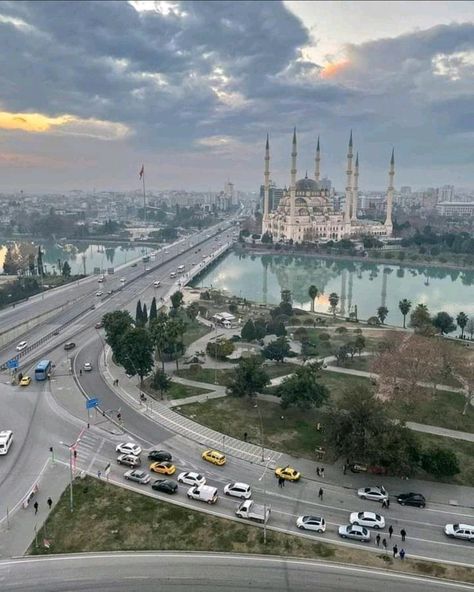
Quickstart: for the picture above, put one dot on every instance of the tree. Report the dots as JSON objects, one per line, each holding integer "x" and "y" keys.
{"x": 139, "y": 314}
{"x": 249, "y": 378}
{"x": 160, "y": 382}
{"x": 302, "y": 389}
{"x": 420, "y": 318}
{"x": 359, "y": 343}
{"x": 444, "y": 322}
{"x": 462, "y": 320}
{"x": 404, "y": 306}
{"x": 313, "y": 294}
{"x": 192, "y": 311}
{"x": 116, "y": 324}
{"x": 470, "y": 327}
{"x": 277, "y": 350}
{"x": 144, "y": 314}
{"x": 175, "y": 329}
{"x": 39, "y": 262}
{"x": 341, "y": 354}
{"x": 260, "y": 328}
{"x": 440, "y": 462}
{"x": 153, "y": 311}
{"x": 248, "y": 331}
{"x": 286, "y": 296}
{"x": 382, "y": 312}
{"x": 135, "y": 352}
{"x": 333, "y": 302}
{"x": 220, "y": 348}
{"x": 158, "y": 331}
{"x": 11, "y": 264}
{"x": 176, "y": 300}
{"x": 66, "y": 270}
{"x": 275, "y": 327}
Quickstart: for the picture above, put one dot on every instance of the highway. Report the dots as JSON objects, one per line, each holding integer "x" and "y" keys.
{"x": 181, "y": 572}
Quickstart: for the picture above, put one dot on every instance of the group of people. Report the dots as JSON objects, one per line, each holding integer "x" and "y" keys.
{"x": 401, "y": 553}
{"x": 49, "y": 501}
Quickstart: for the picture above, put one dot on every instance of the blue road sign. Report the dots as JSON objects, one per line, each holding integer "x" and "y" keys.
{"x": 91, "y": 403}
{"x": 12, "y": 364}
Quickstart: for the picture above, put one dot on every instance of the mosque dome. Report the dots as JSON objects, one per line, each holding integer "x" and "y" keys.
{"x": 306, "y": 185}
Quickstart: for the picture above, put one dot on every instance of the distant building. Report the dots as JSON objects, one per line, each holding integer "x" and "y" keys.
{"x": 274, "y": 196}
{"x": 405, "y": 190}
{"x": 446, "y": 193}
{"x": 455, "y": 208}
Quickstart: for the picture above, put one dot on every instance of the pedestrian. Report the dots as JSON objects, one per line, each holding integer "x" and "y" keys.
{"x": 403, "y": 533}
{"x": 384, "y": 544}
{"x": 388, "y": 503}
{"x": 35, "y": 506}
{"x": 280, "y": 482}
{"x": 390, "y": 531}
{"x": 395, "y": 550}
{"x": 402, "y": 554}
{"x": 321, "y": 493}
{"x": 245, "y": 436}
{"x": 317, "y": 471}
{"x": 344, "y": 469}
{"x": 384, "y": 503}
{"x": 80, "y": 371}
{"x": 321, "y": 472}
{"x": 50, "y": 502}
{"x": 99, "y": 473}
{"x": 377, "y": 540}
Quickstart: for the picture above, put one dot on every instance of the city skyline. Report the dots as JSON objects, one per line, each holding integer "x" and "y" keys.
{"x": 192, "y": 89}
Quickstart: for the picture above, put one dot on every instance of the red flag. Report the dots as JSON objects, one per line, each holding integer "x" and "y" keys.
{"x": 142, "y": 171}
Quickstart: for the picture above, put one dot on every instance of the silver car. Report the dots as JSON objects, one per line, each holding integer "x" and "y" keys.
{"x": 377, "y": 493}
{"x": 369, "y": 519}
{"x": 138, "y": 476}
{"x": 351, "y": 531}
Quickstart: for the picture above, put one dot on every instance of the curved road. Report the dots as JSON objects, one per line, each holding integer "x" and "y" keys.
{"x": 147, "y": 571}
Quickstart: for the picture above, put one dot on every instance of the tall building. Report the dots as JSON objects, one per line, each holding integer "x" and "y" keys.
{"x": 446, "y": 193}
{"x": 274, "y": 195}
{"x": 306, "y": 212}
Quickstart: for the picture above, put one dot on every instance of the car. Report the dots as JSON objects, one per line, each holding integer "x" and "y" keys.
{"x": 147, "y": 269}
{"x": 128, "y": 448}
{"x": 165, "y": 486}
{"x": 240, "y": 490}
{"x": 87, "y": 367}
{"x": 99, "y": 325}
{"x": 156, "y": 283}
{"x": 173, "y": 274}
{"x": 134, "y": 264}
{"x": 377, "y": 494}
{"x": 129, "y": 459}
{"x": 98, "y": 294}
{"x": 311, "y": 523}
{"x": 25, "y": 381}
{"x": 100, "y": 280}
{"x": 109, "y": 292}
{"x": 191, "y": 478}
{"x": 69, "y": 345}
{"x": 21, "y": 346}
{"x": 351, "y": 531}
{"x": 138, "y": 476}
{"x": 122, "y": 280}
{"x": 214, "y": 457}
{"x": 460, "y": 531}
{"x": 166, "y": 468}
{"x": 412, "y": 499}
{"x": 288, "y": 473}
{"x": 369, "y": 519}
{"x": 159, "y": 455}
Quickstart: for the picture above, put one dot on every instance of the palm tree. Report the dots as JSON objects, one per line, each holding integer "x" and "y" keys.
{"x": 313, "y": 293}
{"x": 333, "y": 301}
{"x": 462, "y": 320}
{"x": 404, "y": 306}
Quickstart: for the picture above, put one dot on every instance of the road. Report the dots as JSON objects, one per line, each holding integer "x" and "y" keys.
{"x": 143, "y": 572}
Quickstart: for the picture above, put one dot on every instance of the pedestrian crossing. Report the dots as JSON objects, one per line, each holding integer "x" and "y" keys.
{"x": 88, "y": 449}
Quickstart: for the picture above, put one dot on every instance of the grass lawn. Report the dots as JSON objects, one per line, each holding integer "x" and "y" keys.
{"x": 357, "y": 363}
{"x": 208, "y": 375}
{"x": 194, "y": 331}
{"x": 275, "y": 370}
{"x": 103, "y": 520}
{"x": 176, "y": 391}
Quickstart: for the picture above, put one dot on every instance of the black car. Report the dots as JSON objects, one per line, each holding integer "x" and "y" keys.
{"x": 69, "y": 345}
{"x": 412, "y": 499}
{"x": 159, "y": 456}
{"x": 165, "y": 486}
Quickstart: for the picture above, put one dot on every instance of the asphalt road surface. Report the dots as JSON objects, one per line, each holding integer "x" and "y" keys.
{"x": 153, "y": 572}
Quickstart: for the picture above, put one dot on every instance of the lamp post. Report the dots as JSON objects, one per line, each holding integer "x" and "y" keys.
{"x": 72, "y": 449}
{"x": 103, "y": 346}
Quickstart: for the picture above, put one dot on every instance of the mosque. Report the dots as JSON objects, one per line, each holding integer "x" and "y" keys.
{"x": 305, "y": 212}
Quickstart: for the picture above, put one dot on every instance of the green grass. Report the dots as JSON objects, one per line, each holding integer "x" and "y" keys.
{"x": 275, "y": 370}
{"x": 208, "y": 375}
{"x": 194, "y": 332}
{"x": 176, "y": 391}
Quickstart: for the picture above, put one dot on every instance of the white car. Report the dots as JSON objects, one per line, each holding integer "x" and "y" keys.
{"x": 129, "y": 448}
{"x": 358, "y": 533}
{"x": 21, "y": 346}
{"x": 99, "y": 293}
{"x": 369, "y": 519}
{"x": 240, "y": 490}
{"x": 87, "y": 367}
{"x": 460, "y": 531}
{"x": 122, "y": 280}
{"x": 156, "y": 283}
{"x": 311, "y": 523}
{"x": 191, "y": 478}
{"x": 377, "y": 494}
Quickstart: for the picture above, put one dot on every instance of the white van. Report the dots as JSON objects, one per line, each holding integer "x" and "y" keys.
{"x": 21, "y": 346}
{"x": 6, "y": 439}
{"x": 180, "y": 269}
{"x": 203, "y": 493}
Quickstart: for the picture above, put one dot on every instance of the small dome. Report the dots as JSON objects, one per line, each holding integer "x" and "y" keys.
{"x": 306, "y": 185}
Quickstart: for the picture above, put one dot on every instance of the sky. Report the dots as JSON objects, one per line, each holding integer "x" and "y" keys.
{"x": 91, "y": 90}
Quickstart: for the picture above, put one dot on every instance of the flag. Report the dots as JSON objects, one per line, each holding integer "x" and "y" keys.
{"x": 142, "y": 171}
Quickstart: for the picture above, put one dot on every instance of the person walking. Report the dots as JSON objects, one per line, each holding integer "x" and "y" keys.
{"x": 321, "y": 493}
{"x": 99, "y": 473}
{"x": 388, "y": 503}
{"x": 390, "y": 531}
{"x": 317, "y": 471}
{"x": 344, "y": 469}
{"x": 281, "y": 482}
{"x": 384, "y": 545}
{"x": 50, "y": 503}
{"x": 395, "y": 550}
{"x": 36, "y": 506}
{"x": 402, "y": 554}
{"x": 321, "y": 472}
{"x": 377, "y": 540}
{"x": 245, "y": 436}
{"x": 384, "y": 503}
{"x": 403, "y": 534}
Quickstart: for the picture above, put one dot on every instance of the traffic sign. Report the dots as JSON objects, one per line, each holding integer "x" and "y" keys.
{"x": 12, "y": 364}
{"x": 91, "y": 403}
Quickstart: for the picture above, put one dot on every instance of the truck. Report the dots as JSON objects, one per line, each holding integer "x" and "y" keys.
{"x": 252, "y": 511}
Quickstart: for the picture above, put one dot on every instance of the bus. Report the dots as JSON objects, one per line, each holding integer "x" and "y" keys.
{"x": 180, "y": 269}
{"x": 43, "y": 369}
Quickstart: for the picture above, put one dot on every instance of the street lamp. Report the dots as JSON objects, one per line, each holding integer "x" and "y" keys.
{"x": 261, "y": 431}
{"x": 72, "y": 451}
{"x": 103, "y": 346}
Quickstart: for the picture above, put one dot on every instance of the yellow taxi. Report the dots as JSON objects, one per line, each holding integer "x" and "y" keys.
{"x": 25, "y": 381}
{"x": 288, "y": 473}
{"x": 214, "y": 457}
{"x": 165, "y": 468}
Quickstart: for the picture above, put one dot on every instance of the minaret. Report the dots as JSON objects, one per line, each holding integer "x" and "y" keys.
{"x": 355, "y": 189}
{"x": 317, "y": 162}
{"x": 347, "y": 212}
{"x": 391, "y": 174}
{"x": 293, "y": 186}
{"x": 266, "y": 195}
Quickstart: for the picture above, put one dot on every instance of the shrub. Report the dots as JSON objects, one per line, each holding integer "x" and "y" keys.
{"x": 300, "y": 333}
{"x": 294, "y": 321}
{"x": 440, "y": 462}
{"x": 341, "y": 330}
{"x": 374, "y": 321}
{"x": 324, "y": 336}
{"x": 308, "y": 322}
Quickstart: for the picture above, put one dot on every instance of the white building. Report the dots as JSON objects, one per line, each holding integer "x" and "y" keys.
{"x": 455, "y": 208}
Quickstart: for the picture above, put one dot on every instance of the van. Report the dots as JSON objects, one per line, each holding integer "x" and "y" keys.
{"x": 6, "y": 439}
{"x": 173, "y": 274}
{"x": 203, "y": 493}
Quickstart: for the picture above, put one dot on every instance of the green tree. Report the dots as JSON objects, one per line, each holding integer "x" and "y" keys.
{"x": 275, "y": 327}
{"x": 420, "y": 318}
{"x": 302, "y": 389}
{"x": 444, "y": 322}
{"x": 462, "y": 320}
{"x": 359, "y": 343}
{"x": 144, "y": 314}
{"x": 313, "y": 294}
{"x": 286, "y": 296}
{"x": 277, "y": 350}
{"x": 405, "y": 307}
{"x": 248, "y": 331}
{"x": 382, "y": 312}
{"x": 66, "y": 270}
{"x": 139, "y": 314}
{"x": 176, "y": 300}
{"x": 220, "y": 348}
{"x": 470, "y": 327}
{"x": 342, "y": 354}
{"x": 153, "y": 310}
{"x": 158, "y": 331}
{"x": 260, "y": 328}
{"x": 11, "y": 264}
{"x": 161, "y": 382}
{"x": 39, "y": 262}
{"x": 116, "y": 324}
{"x": 192, "y": 311}
{"x": 175, "y": 329}
{"x": 440, "y": 462}
{"x": 135, "y": 352}
{"x": 248, "y": 378}
{"x": 333, "y": 302}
